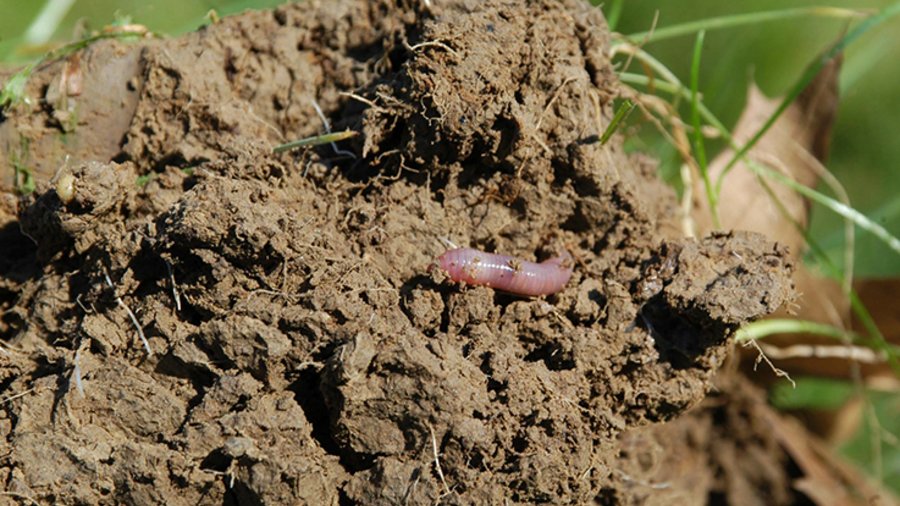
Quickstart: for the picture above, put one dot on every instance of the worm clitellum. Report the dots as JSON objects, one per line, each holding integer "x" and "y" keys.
{"x": 507, "y": 273}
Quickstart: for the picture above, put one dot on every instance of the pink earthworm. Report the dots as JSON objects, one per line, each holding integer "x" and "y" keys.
{"x": 507, "y": 273}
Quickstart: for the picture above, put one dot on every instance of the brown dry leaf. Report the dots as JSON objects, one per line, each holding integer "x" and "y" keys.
{"x": 796, "y": 145}
{"x": 880, "y": 298}
{"x": 825, "y": 479}
{"x": 802, "y": 130}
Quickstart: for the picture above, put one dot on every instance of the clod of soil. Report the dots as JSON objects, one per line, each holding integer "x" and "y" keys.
{"x": 302, "y": 349}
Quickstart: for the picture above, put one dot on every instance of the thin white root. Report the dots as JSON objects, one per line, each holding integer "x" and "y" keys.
{"x": 174, "y": 287}
{"x": 630, "y": 479}
{"x": 437, "y": 462}
{"x": 763, "y": 358}
{"x": 134, "y": 320}
{"x": 372, "y": 105}
{"x": 537, "y": 125}
{"x": 430, "y": 43}
{"x": 76, "y": 374}
{"x": 447, "y": 242}
{"x": 847, "y": 352}
{"x": 552, "y": 101}
{"x": 16, "y": 396}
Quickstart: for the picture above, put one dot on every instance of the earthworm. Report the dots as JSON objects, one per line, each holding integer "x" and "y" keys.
{"x": 507, "y": 273}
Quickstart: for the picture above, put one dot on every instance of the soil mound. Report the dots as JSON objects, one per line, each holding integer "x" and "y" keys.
{"x": 301, "y": 350}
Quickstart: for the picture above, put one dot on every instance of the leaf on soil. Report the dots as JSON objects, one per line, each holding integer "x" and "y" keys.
{"x": 796, "y": 144}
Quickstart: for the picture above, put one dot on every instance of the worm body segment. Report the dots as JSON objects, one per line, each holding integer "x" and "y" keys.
{"x": 507, "y": 273}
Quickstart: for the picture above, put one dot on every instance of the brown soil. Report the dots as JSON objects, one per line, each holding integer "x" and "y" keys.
{"x": 302, "y": 349}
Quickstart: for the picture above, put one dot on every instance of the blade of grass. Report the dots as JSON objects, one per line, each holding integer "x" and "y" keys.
{"x": 47, "y": 21}
{"x": 883, "y": 213}
{"x": 751, "y": 18}
{"x": 765, "y": 328}
{"x": 842, "y": 209}
{"x": 866, "y": 60}
{"x": 653, "y": 68}
{"x": 849, "y": 230}
{"x": 699, "y": 145}
{"x": 614, "y": 13}
{"x": 812, "y": 393}
{"x": 623, "y": 112}
{"x": 316, "y": 140}
{"x": 875, "y": 338}
{"x": 805, "y": 79}
{"x": 621, "y": 46}
{"x": 13, "y": 91}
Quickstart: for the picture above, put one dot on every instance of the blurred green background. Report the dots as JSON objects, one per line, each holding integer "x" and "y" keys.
{"x": 865, "y": 151}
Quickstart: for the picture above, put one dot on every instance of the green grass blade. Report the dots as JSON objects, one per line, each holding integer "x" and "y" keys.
{"x": 812, "y": 393}
{"x": 765, "y": 328}
{"x": 808, "y": 75}
{"x": 621, "y": 46}
{"x": 614, "y": 13}
{"x": 699, "y": 144}
{"x": 13, "y": 91}
{"x": 775, "y": 326}
{"x": 47, "y": 21}
{"x": 623, "y": 112}
{"x": 887, "y": 211}
{"x": 752, "y": 18}
{"x": 223, "y": 9}
{"x": 838, "y": 207}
